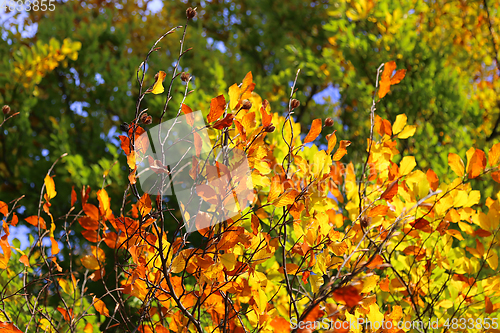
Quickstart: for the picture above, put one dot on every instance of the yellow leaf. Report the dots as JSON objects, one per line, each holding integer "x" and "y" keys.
{"x": 314, "y": 131}
{"x": 375, "y": 316}
{"x": 101, "y": 307}
{"x": 104, "y": 202}
{"x": 399, "y": 124}
{"x": 234, "y": 96}
{"x": 369, "y": 283}
{"x": 228, "y": 260}
{"x": 287, "y": 199}
{"x": 408, "y": 131}
{"x": 131, "y": 160}
{"x": 158, "y": 86}
{"x": 492, "y": 260}
{"x": 178, "y": 264}
{"x": 407, "y": 164}
{"x": 50, "y": 187}
{"x": 90, "y": 262}
{"x": 276, "y": 189}
{"x": 316, "y": 282}
{"x": 456, "y": 164}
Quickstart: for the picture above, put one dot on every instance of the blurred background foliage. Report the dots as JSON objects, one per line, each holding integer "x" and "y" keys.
{"x": 71, "y": 75}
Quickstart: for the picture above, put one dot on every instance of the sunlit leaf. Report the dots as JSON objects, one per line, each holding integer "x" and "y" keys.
{"x": 314, "y": 131}
{"x": 158, "y": 85}
{"x": 456, "y": 164}
{"x": 217, "y": 107}
{"x": 100, "y": 307}
{"x": 399, "y": 124}
{"x": 50, "y": 187}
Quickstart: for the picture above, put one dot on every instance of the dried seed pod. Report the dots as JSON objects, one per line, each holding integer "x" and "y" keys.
{"x": 328, "y": 122}
{"x": 247, "y": 105}
{"x": 148, "y": 120}
{"x": 294, "y": 104}
{"x": 185, "y": 77}
{"x": 190, "y": 13}
{"x": 124, "y": 127}
{"x": 269, "y": 128}
{"x": 6, "y": 109}
{"x": 365, "y": 221}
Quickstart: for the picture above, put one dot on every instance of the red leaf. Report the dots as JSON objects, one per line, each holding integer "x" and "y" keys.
{"x": 421, "y": 224}
{"x": 189, "y": 117}
{"x": 349, "y": 295}
{"x": 91, "y": 211}
{"x": 125, "y": 144}
{"x": 266, "y": 118}
{"x": 73, "y": 196}
{"x": 314, "y": 131}
{"x": 226, "y": 122}
{"x": 217, "y": 106}
{"x": 4, "y": 209}
{"x": 91, "y": 235}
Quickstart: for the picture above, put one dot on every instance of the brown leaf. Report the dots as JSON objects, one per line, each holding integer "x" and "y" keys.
{"x": 348, "y": 295}
{"x": 391, "y": 191}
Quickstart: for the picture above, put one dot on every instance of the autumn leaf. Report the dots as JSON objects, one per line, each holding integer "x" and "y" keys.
{"x": 100, "y": 307}
{"x": 223, "y": 123}
{"x": 399, "y": 124}
{"x": 9, "y": 328}
{"x": 348, "y": 295}
{"x": 266, "y": 118}
{"x": 341, "y": 151}
{"x": 24, "y": 259}
{"x": 158, "y": 85}
{"x": 66, "y": 315}
{"x": 378, "y": 210}
{"x": 386, "y": 81}
{"x": 90, "y": 262}
{"x": 50, "y": 187}
{"x": 73, "y": 196}
{"x": 494, "y": 154}
{"x": 34, "y": 220}
{"x": 432, "y": 179}
{"x": 391, "y": 191}
{"x": 4, "y": 208}
{"x": 144, "y": 204}
{"x": 187, "y": 112}
{"x": 476, "y": 162}
{"x": 332, "y": 141}
{"x": 314, "y": 131}
{"x": 456, "y": 164}
{"x": 217, "y": 106}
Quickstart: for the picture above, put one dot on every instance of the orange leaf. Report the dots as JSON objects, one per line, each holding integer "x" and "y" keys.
{"x": 314, "y": 131}
{"x": 496, "y": 176}
{"x": 88, "y": 328}
{"x": 255, "y": 224}
{"x": 131, "y": 176}
{"x": 91, "y": 235}
{"x": 433, "y": 179}
{"x": 348, "y": 295}
{"x": 207, "y": 193}
{"x": 9, "y": 328}
{"x": 158, "y": 85}
{"x": 217, "y": 106}
{"x": 476, "y": 162}
{"x": 91, "y": 211}
{"x": 332, "y": 141}
{"x": 89, "y": 223}
{"x": 247, "y": 86}
{"x": 14, "y": 220}
{"x": 276, "y": 189}
{"x": 198, "y": 143}
{"x": 223, "y": 123}
{"x": 384, "y": 285}
{"x": 101, "y": 307}
{"x": 266, "y": 118}
{"x": 341, "y": 151}
{"x": 144, "y": 204}
{"x": 125, "y": 144}
{"x": 33, "y": 220}
{"x": 379, "y": 210}
{"x": 66, "y": 315}
{"x": 488, "y": 306}
{"x": 400, "y": 74}
{"x": 280, "y": 324}
{"x": 421, "y": 224}
{"x": 4, "y": 209}
{"x": 287, "y": 199}
{"x": 377, "y": 261}
{"x": 189, "y": 117}
{"x": 494, "y": 154}
{"x": 391, "y": 191}
{"x": 55, "y": 246}
{"x": 24, "y": 259}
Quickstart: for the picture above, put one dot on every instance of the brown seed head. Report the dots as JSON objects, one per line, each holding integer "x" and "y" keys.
{"x": 146, "y": 119}
{"x": 269, "y": 128}
{"x": 190, "y": 13}
{"x": 124, "y": 127}
{"x": 6, "y": 109}
{"x": 265, "y": 103}
{"x": 328, "y": 122}
{"x": 365, "y": 221}
{"x": 294, "y": 104}
{"x": 185, "y": 77}
{"x": 247, "y": 105}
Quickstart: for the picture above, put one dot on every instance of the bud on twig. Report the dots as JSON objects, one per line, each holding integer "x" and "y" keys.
{"x": 269, "y": 128}
{"x": 6, "y": 109}
{"x": 328, "y": 122}
{"x": 185, "y": 77}
{"x": 190, "y": 13}
{"x": 247, "y": 105}
{"x": 294, "y": 104}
